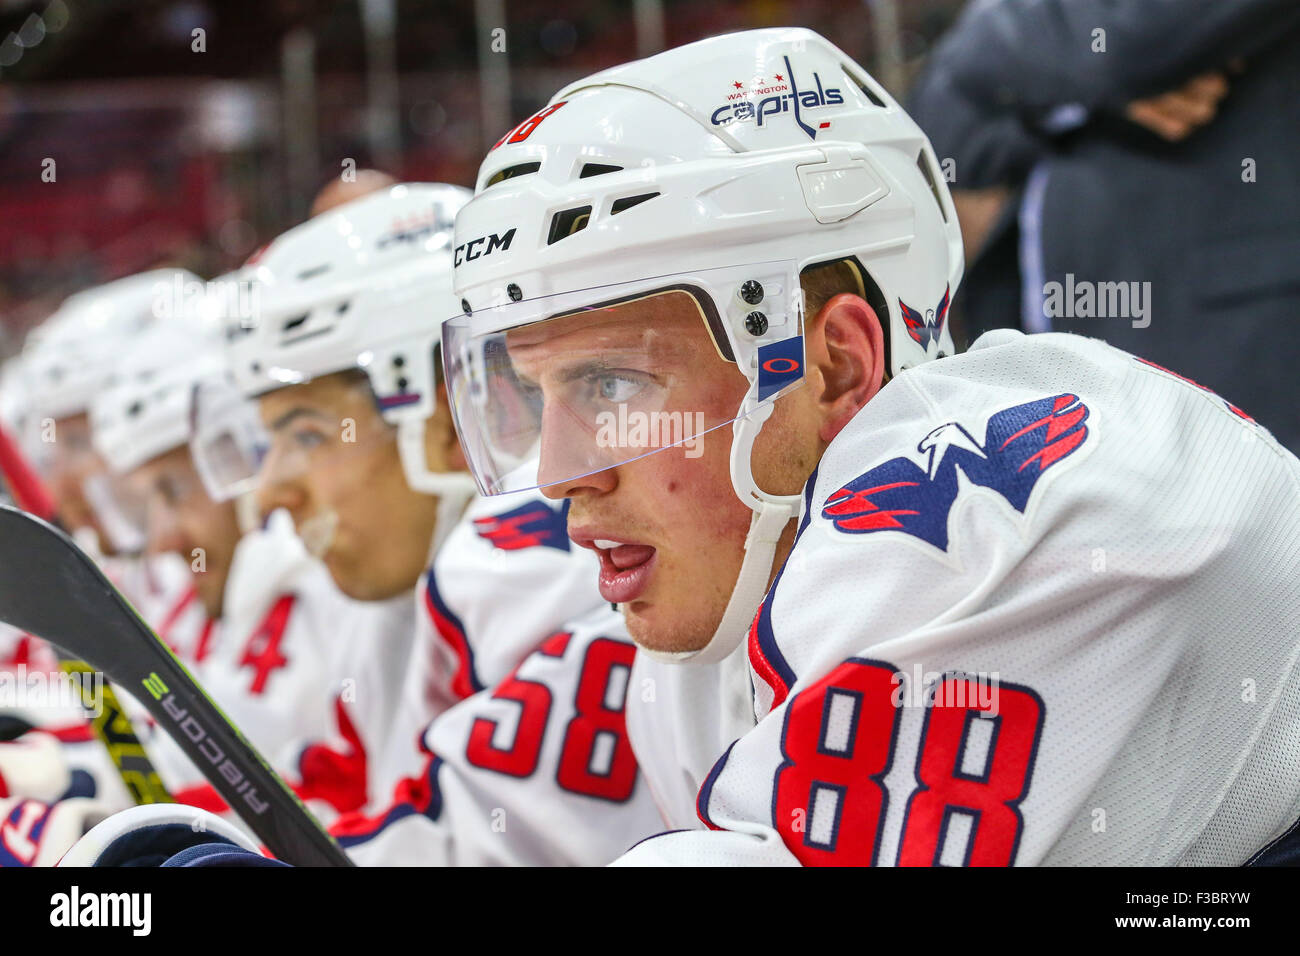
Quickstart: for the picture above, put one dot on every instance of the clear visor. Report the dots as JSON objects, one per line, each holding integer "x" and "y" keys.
{"x": 120, "y": 511}
{"x": 229, "y": 442}
{"x": 314, "y": 441}
{"x": 550, "y": 390}
{"x": 86, "y": 493}
{"x": 171, "y": 493}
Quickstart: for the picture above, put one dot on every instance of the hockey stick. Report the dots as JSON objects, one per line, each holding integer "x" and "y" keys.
{"x": 51, "y": 588}
{"x": 109, "y": 721}
{"x": 107, "y": 718}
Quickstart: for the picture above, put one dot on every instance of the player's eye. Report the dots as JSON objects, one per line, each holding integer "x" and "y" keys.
{"x": 170, "y": 491}
{"x": 618, "y": 387}
{"x": 306, "y": 439}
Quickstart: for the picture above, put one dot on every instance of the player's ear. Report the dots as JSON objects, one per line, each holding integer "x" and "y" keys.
{"x": 846, "y": 348}
{"x": 441, "y": 430}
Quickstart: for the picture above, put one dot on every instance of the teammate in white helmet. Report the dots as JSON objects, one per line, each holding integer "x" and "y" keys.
{"x": 901, "y": 605}
{"x": 534, "y": 766}
{"x": 65, "y": 363}
{"x": 258, "y": 626}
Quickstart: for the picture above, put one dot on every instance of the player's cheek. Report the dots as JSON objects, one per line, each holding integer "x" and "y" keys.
{"x": 702, "y": 511}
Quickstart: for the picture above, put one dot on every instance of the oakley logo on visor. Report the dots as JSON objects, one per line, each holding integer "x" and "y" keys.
{"x": 779, "y": 364}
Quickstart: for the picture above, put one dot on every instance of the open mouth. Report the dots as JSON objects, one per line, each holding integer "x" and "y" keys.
{"x": 625, "y": 569}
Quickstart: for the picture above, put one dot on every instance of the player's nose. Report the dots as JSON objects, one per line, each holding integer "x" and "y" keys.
{"x": 163, "y": 535}
{"x": 279, "y": 484}
{"x": 569, "y": 461}
{"x": 598, "y": 482}
{"x": 272, "y": 493}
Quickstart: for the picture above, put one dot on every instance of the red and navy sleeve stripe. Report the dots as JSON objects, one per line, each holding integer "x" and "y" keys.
{"x": 413, "y": 795}
{"x": 765, "y": 657}
{"x": 465, "y": 682}
{"x": 706, "y": 789}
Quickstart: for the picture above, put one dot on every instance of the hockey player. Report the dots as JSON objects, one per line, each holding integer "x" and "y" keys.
{"x": 364, "y": 456}
{"x": 522, "y": 668}
{"x": 930, "y": 608}
{"x": 65, "y": 363}
{"x": 261, "y": 624}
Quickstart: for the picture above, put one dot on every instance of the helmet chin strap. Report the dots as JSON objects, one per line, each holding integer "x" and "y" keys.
{"x": 771, "y": 514}
{"x": 453, "y": 489}
{"x": 247, "y": 513}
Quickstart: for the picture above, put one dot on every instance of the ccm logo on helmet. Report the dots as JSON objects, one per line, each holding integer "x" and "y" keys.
{"x": 469, "y": 251}
{"x": 744, "y": 111}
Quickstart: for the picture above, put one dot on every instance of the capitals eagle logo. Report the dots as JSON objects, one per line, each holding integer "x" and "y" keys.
{"x": 925, "y": 329}
{"x": 1020, "y": 443}
{"x": 535, "y": 524}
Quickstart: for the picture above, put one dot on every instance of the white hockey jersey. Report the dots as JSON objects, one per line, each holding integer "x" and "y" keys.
{"x": 308, "y": 675}
{"x": 506, "y": 577}
{"x": 537, "y": 771}
{"x": 34, "y": 692}
{"x": 1043, "y": 608}
{"x": 512, "y": 744}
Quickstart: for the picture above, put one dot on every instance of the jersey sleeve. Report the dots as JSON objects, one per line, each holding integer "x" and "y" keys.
{"x": 1073, "y": 672}
{"x": 344, "y": 767}
{"x": 536, "y": 770}
{"x": 506, "y": 577}
{"x": 311, "y": 679}
{"x": 33, "y": 833}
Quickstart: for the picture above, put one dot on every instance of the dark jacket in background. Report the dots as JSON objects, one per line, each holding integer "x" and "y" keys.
{"x": 1120, "y": 204}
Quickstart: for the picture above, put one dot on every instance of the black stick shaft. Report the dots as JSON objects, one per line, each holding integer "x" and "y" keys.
{"x": 51, "y": 588}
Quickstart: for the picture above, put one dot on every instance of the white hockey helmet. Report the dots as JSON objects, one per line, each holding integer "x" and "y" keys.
{"x": 70, "y": 357}
{"x": 361, "y": 286}
{"x": 147, "y": 408}
{"x": 722, "y": 169}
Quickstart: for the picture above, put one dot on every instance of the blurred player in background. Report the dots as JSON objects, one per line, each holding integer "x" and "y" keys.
{"x": 364, "y": 457}
{"x": 262, "y": 627}
{"x": 66, "y": 363}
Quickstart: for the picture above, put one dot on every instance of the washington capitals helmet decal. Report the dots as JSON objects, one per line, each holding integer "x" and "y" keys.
{"x": 1020, "y": 443}
{"x": 535, "y": 524}
{"x": 927, "y": 328}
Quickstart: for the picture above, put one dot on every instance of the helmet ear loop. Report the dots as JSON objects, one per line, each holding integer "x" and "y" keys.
{"x": 248, "y": 515}
{"x": 454, "y": 489}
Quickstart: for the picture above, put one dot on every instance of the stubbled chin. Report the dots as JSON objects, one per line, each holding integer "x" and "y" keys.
{"x": 339, "y": 572}
{"x": 652, "y": 627}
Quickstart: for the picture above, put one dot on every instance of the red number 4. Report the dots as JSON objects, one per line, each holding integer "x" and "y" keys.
{"x": 838, "y": 744}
